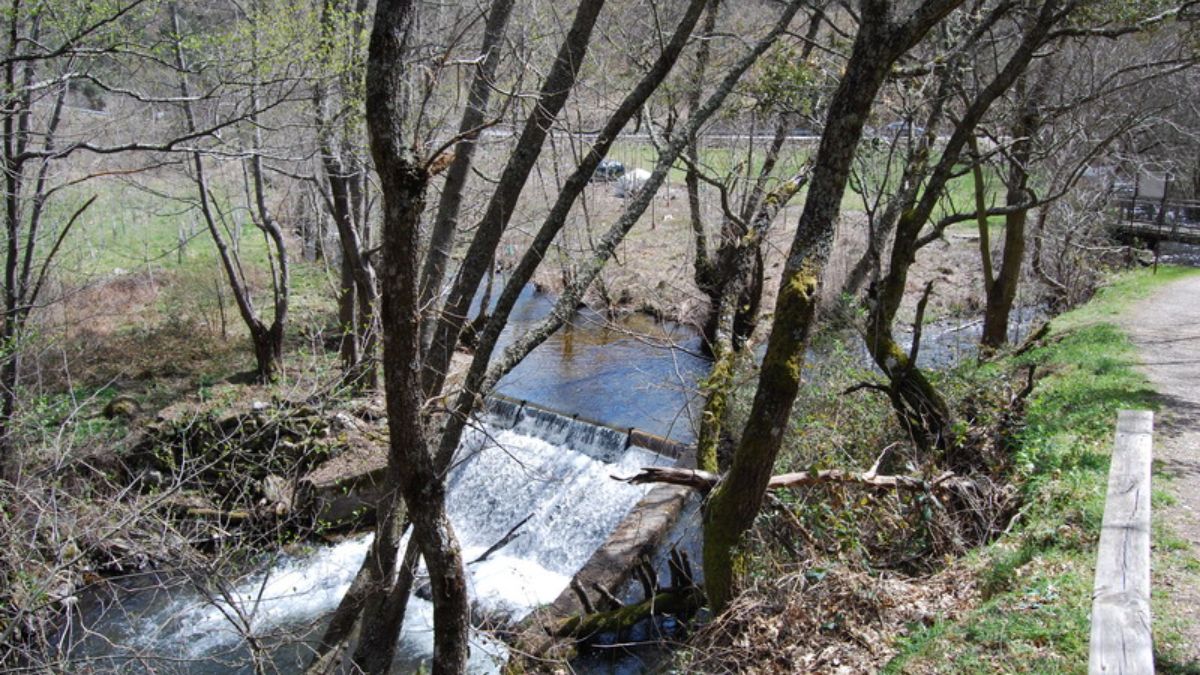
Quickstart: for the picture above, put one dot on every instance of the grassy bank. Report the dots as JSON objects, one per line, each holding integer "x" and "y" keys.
{"x": 1036, "y": 581}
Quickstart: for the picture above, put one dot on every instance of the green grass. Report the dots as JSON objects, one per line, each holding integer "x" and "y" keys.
{"x": 1036, "y": 582}
{"x": 125, "y": 251}
{"x": 127, "y": 229}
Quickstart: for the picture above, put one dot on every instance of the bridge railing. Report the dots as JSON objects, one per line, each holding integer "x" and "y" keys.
{"x": 1156, "y": 210}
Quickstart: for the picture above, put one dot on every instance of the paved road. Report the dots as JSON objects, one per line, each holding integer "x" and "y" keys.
{"x": 1166, "y": 330}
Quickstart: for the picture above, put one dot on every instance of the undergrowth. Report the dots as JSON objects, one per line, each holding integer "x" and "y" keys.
{"x": 1035, "y": 583}
{"x": 835, "y": 569}
{"x": 843, "y": 579}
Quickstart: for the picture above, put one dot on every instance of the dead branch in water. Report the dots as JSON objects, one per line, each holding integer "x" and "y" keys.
{"x": 504, "y": 541}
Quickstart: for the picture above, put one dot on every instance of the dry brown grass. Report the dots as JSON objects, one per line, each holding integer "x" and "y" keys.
{"x": 832, "y": 620}
{"x": 653, "y": 269}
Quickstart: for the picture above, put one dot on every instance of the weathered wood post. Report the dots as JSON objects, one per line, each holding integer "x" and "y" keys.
{"x": 1120, "y": 639}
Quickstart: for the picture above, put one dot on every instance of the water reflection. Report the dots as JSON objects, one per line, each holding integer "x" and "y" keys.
{"x": 627, "y": 372}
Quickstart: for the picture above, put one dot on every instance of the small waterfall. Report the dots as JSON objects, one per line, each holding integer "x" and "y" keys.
{"x": 522, "y": 465}
{"x": 594, "y": 440}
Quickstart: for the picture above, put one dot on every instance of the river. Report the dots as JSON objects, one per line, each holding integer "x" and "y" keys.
{"x": 630, "y": 373}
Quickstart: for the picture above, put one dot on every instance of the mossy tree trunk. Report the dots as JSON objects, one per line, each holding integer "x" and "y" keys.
{"x": 735, "y": 503}
{"x": 733, "y": 263}
{"x": 743, "y": 258}
{"x": 1001, "y": 289}
{"x": 916, "y": 399}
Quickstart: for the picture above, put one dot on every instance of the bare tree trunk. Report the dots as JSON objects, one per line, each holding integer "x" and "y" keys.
{"x": 348, "y": 349}
{"x": 344, "y": 173}
{"x": 705, "y": 268}
{"x": 267, "y": 341}
{"x": 445, "y": 224}
{"x": 22, "y": 211}
{"x": 555, "y": 89}
{"x": 404, "y": 182}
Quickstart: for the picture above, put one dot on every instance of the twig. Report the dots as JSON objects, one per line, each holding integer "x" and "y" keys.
{"x": 613, "y": 600}
{"x": 645, "y": 575}
{"x": 504, "y": 541}
{"x": 588, "y": 607}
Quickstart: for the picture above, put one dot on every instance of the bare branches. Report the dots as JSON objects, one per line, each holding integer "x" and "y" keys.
{"x": 703, "y": 481}
{"x": 70, "y": 44}
{"x": 36, "y": 291}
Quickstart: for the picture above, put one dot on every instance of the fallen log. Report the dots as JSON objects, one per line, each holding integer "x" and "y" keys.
{"x": 678, "y": 602}
{"x": 234, "y": 516}
{"x": 704, "y": 481}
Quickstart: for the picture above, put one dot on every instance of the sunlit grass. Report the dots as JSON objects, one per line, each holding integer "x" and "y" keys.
{"x": 1037, "y": 581}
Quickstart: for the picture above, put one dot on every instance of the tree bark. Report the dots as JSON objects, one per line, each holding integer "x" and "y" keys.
{"x": 734, "y": 505}
{"x": 742, "y": 260}
{"x": 410, "y": 464}
{"x": 345, "y": 175}
{"x": 481, "y": 253}
{"x": 1002, "y": 290}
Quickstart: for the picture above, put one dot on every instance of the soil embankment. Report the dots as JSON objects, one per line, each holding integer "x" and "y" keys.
{"x": 653, "y": 269}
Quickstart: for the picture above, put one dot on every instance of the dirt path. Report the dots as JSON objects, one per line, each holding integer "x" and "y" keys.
{"x": 1166, "y": 330}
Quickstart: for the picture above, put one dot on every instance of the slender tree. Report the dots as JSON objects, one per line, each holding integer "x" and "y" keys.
{"x": 419, "y": 458}
{"x": 883, "y": 36}
{"x": 336, "y": 98}
{"x": 266, "y": 338}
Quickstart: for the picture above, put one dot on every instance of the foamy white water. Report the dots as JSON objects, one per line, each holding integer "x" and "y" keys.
{"x": 504, "y": 476}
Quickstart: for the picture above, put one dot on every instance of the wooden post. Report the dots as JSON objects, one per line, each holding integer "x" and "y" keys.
{"x": 1120, "y": 639}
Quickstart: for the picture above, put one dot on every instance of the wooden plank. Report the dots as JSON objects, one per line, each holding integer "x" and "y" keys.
{"x": 1120, "y": 639}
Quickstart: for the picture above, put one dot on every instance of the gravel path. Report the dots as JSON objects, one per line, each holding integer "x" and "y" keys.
{"x": 1166, "y": 330}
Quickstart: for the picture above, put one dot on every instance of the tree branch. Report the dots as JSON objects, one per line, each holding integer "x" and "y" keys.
{"x": 704, "y": 481}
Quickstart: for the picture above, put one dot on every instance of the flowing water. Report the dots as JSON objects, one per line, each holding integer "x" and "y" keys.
{"x": 523, "y": 463}
{"x": 631, "y": 372}
{"x": 507, "y": 475}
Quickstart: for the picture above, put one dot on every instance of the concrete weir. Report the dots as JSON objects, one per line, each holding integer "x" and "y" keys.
{"x": 344, "y": 491}
{"x": 639, "y": 534}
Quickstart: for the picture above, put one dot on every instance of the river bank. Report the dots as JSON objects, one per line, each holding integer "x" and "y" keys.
{"x": 653, "y": 270}
{"x": 1035, "y": 582}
